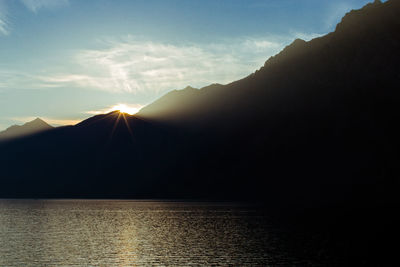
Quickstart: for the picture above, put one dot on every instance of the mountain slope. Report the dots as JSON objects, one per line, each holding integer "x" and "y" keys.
{"x": 319, "y": 116}
{"x": 325, "y": 69}
{"x": 174, "y": 102}
{"x": 32, "y": 127}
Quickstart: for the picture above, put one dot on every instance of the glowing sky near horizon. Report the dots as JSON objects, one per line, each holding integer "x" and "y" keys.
{"x": 65, "y": 60}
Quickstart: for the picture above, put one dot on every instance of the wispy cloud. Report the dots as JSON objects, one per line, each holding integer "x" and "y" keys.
{"x": 132, "y": 65}
{"x": 140, "y": 66}
{"x": 4, "y": 28}
{"x": 32, "y": 5}
{"x": 306, "y": 36}
{"x": 4, "y": 24}
{"x": 36, "y": 5}
{"x": 10, "y": 79}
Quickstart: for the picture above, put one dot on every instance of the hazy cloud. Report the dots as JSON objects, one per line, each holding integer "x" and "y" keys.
{"x": 35, "y": 5}
{"x": 140, "y": 66}
{"x": 32, "y": 5}
{"x": 307, "y": 36}
{"x": 4, "y": 24}
{"x": 19, "y": 80}
{"x": 135, "y": 66}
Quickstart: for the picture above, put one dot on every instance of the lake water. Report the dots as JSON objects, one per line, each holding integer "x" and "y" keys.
{"x": 136, "y": 233}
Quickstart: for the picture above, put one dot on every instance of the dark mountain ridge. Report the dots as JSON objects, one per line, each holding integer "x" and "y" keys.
{"x": 328, "y": 73}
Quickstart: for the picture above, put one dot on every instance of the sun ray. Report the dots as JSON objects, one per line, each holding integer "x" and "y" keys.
{"x": 129, "y": 128}
{"x": 115, "y": 125}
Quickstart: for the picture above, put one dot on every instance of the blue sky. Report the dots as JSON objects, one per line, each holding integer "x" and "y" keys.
{"x": 65, "y": 60}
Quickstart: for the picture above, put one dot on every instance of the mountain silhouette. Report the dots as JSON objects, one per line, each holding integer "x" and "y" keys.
{"x": 316, "y": 125}
{"x": 29, "y": 128}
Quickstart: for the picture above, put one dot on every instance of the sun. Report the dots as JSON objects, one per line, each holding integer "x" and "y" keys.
{"x": 123, "y": 108}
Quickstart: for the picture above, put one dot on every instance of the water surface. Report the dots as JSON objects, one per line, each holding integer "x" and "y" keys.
{"x": 136, "y": 233}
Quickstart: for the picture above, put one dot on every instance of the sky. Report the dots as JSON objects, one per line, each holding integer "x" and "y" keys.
{"x": 66, "y": 60}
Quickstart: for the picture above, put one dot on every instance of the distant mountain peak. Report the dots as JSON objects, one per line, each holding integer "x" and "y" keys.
{"x": 298, "y": 41}
{"x": 32, "y": 127}
{"x": 297, "y": 44}
{"x": 38, "y": 120}
{"x": 295, "y": 48}
{"x": 358, "y": 16}
{"x": 189, "y": 88}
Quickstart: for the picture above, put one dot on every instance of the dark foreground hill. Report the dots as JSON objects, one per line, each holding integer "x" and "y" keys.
{"x": 316, "y": 125}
